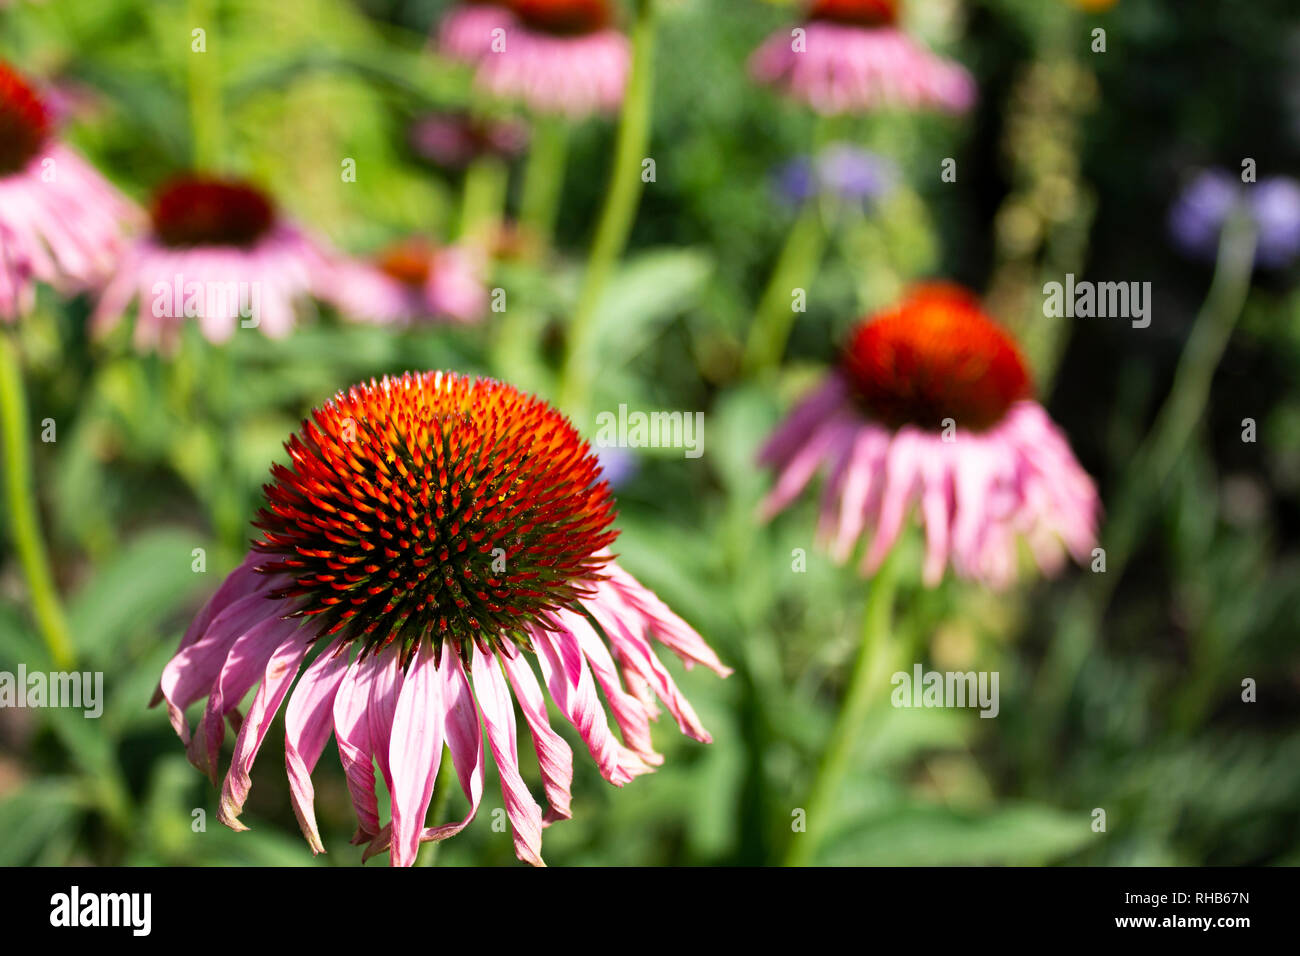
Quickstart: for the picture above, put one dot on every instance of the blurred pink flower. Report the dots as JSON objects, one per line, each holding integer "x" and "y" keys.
{"x": 446, "y": 530}
{"x": 850, "y": 56}
{"x": 410, "y": 281}
{"x": 60, "y": 221}
{"x": 561, "y": 56}
{"x": 466, "y": 30}
{"x": 931, "y": 409}
{"x": 218, "y": 252}
{"x": 455, "y": 140}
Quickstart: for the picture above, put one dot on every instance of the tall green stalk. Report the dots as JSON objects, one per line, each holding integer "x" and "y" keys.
{"x": 486, "y": 180}
{"x": 876, "y": 656}
{"x": 20, "y": 502}
{"x": 774, "y": 319}
{"x": 204, "y": 88}
{"x": 1185, "y": 405}
{"x": 621, "y": 201}
{"x": 796, "y": 267}
{"x": 544, "y": 177}
{"x": 1150, "y": 467}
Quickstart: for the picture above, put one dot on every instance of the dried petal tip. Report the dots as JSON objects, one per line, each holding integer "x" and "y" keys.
{"x": 435, "y": 504}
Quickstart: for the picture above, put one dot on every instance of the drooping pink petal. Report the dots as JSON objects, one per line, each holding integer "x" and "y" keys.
{"x": 464, "y": 740}
{"x": 280, "y": 672}
{"x": 244, "y": 666}
{"x": 792, "y": 433}
{"x": 554, "y": 755}
{"x": 862, "y": 485}
{"x": 352, "y": 733}
{"x": 669, "y": 629}
{"x": 415, "y": 751}
{"x": 308, "y": 721}
{"x": 569, "y": 680}
{"x": 499, "y": 716}
{"x": 625, "y": 627}
{"x": 629, "y": 713}
{"x": 385, "y": 683}
{"x": 191, "y": 673}
{"x": 901, "y": 482}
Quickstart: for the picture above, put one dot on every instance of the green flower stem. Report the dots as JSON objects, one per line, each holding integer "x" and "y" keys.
{"x": 796, "y": 267}
{"x": 869, "y": 679}
{"x": 544, "y": 177}
{"x": 484, "y": 194}
{"x": 204, "y": 88}
{"x": 20, "y": 501}
{"x": 1150, "y": 467}
{"x": 774, "y": 319}
{"x": 1185, "y": 405}
{"x": 229, "y": 520}
{"x": 616, "y": 218}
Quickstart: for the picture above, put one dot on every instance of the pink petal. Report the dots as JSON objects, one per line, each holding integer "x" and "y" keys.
{"x": 553, "y": 754}
{"x": 415, "y": 751}
{"x": 629, "y": 713}
{"x": 280, "y": 672}
{"x": 464, "y": 740}
{"x": 191, "y": 673}
{"x": 385, "y": 683}
{"x": 669, "y": 629}
{"x": 352, "y": 732}
{"x": 625, "y": 627}
{"x": 565, "y": 671}
{"x": 499, "y": 715}
{"x": 244, "y": 666}
{"x": 308, "y": 721}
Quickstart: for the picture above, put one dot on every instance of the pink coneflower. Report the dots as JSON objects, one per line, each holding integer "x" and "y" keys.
{"x": 413, "y": 280}
{"x": 219, "y": 252}
{"x": 931, "y": 408}
{"x": 455, "y": 140}
{"x": 850, "y": 56}
{"x": 561, "y": 56}
{"x": 60, "y": 221}
{"x": 466, "y": 31}
{"x": 432, "y": 535}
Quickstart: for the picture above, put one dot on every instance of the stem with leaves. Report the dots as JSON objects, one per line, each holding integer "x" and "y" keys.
{"x": 876, "y": 656}
{"x": 20, "y": 501}
{"x": 616, "y": 218}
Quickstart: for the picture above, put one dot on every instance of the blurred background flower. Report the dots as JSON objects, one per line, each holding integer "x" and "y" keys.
{"x": 1272, "y": 204}
{"x": 841, "y": 172}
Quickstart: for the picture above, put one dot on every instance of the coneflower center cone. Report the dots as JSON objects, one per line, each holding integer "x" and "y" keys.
{"x": 861, "y": 13}
{"x": 205, "y": 211}
{"x": 564, "y": 17}
{"x": 409, "y": 263}
{"x": 24, "y": 122}
{"x": 935, "y": 356}
{"x": 435, "y": 505}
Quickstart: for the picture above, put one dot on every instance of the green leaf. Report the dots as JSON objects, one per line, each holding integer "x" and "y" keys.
{"x": 33, "y": 816}
{"x": 136, "y": 591}
{"x": 643, "y": 295}
{"x": 924, "y": 835}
